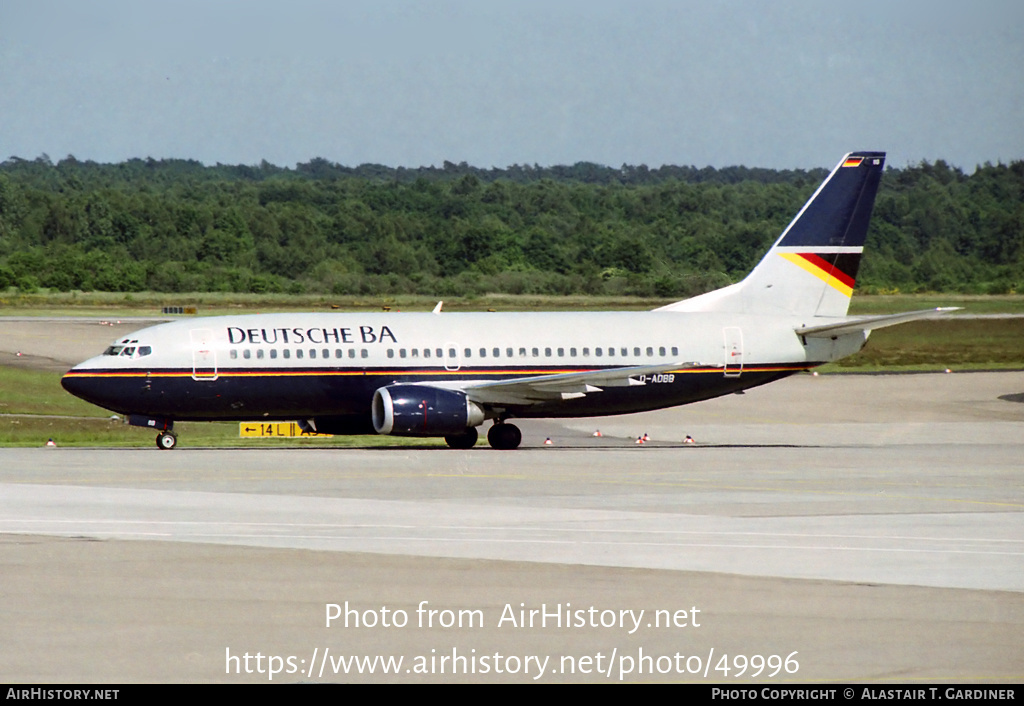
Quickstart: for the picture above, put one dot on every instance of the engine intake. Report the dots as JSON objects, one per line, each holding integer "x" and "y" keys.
{"x": 421, "y": 410}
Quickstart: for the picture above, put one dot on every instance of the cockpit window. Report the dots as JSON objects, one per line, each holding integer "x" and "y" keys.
{"x": 129, "y": 351}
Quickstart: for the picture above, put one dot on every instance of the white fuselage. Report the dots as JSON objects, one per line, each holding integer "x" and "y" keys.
{"x": 239, "y": 367}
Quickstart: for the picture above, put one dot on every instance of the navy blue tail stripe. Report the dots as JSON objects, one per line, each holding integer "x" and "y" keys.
{"x": 839, "y": 214}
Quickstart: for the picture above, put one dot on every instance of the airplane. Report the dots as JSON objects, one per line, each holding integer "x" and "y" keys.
{"x": 442, "y": 374}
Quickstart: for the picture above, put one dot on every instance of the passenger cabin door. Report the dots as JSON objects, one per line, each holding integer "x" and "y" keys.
{"x": 733, "y": 351}
{"x": 204, "y": 355}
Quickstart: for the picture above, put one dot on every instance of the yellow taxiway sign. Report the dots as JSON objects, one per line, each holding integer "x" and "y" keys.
{"x": 273, "y": 429}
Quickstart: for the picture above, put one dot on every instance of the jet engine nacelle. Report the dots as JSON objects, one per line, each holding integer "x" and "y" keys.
{"x": 421, "y": 410}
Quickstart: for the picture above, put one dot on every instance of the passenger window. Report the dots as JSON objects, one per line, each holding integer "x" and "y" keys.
{"x": 259, "y": 353}
{"x": 338, "y": 353}
{"x": 273, "y": 354}
{"x": 401, "y": 352}
{"x": 661, "y": 351}
{"x": 650, "y": 351}
{"x": 439, "y": 352}
{"x": 287, "y": 353}
{"x": 351, "y": 352}
{"x": 451, "y": 353}
{"x": 312, "y": 353}
{"x": 547, "y": 352}
{"x": 561, "y": 352}
{"x": 298, "y": 353}
{"x": 426, "y": 352}
{"x": 522, "y": 353}
{"x": 536, "y": 353}
{"x": 326, "y": 353}
{"x": 586, "y": 352}
{"x": 496, "y": 352}
{"x": 508, "y": 352}
{"x": 675, "y": 351}
{"x": 365, "y": 353}
{"x": 468, "y": 352}
{"x": 625, "y": 352}
{"x": 233, "y": 354}
{"x": 483, "y": 352}
{"x": 247, "y": 354}
{"x": 597, "y": 352}
{"x": 416, "y": 352}
{"x": 391, "y": 353}
{"x": 572, "y": 352}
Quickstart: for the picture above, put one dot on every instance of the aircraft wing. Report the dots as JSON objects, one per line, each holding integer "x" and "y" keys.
{"x": 856, "y": 324}
{"x": 541, "y": 388}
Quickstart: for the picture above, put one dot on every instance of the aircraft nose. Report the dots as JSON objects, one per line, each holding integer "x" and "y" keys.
{"x": 83, "y": 386}
{"x": 72, "y": 384}
{"x": 101, "y": 389}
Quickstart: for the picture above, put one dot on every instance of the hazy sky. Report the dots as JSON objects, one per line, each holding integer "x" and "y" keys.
{"x": 772, "y": 83}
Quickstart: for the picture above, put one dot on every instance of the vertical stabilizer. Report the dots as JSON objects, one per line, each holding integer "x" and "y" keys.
{"x": 813, "y": 265}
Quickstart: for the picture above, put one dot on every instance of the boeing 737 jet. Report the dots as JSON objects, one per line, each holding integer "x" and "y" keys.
{"x": 445, "y": 374}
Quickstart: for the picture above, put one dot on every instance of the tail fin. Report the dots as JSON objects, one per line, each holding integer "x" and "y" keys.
{"x": 812, "y": 267}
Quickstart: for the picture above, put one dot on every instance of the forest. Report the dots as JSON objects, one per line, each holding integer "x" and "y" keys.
{"x": 456, "y": 230}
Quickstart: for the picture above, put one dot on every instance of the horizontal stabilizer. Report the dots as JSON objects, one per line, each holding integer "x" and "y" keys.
{"x": 855, "y": 324}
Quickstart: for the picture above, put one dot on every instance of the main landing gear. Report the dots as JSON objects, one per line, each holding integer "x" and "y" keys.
{"x": 504, "y": 436}
{"x": 166, "y": 440}
{"x": 465, "y": 440}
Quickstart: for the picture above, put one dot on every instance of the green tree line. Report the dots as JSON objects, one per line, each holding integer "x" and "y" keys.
{"x": 456, "y": 230}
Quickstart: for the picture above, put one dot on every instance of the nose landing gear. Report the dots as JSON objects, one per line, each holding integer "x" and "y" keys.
{"x": 166, "y": 440}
